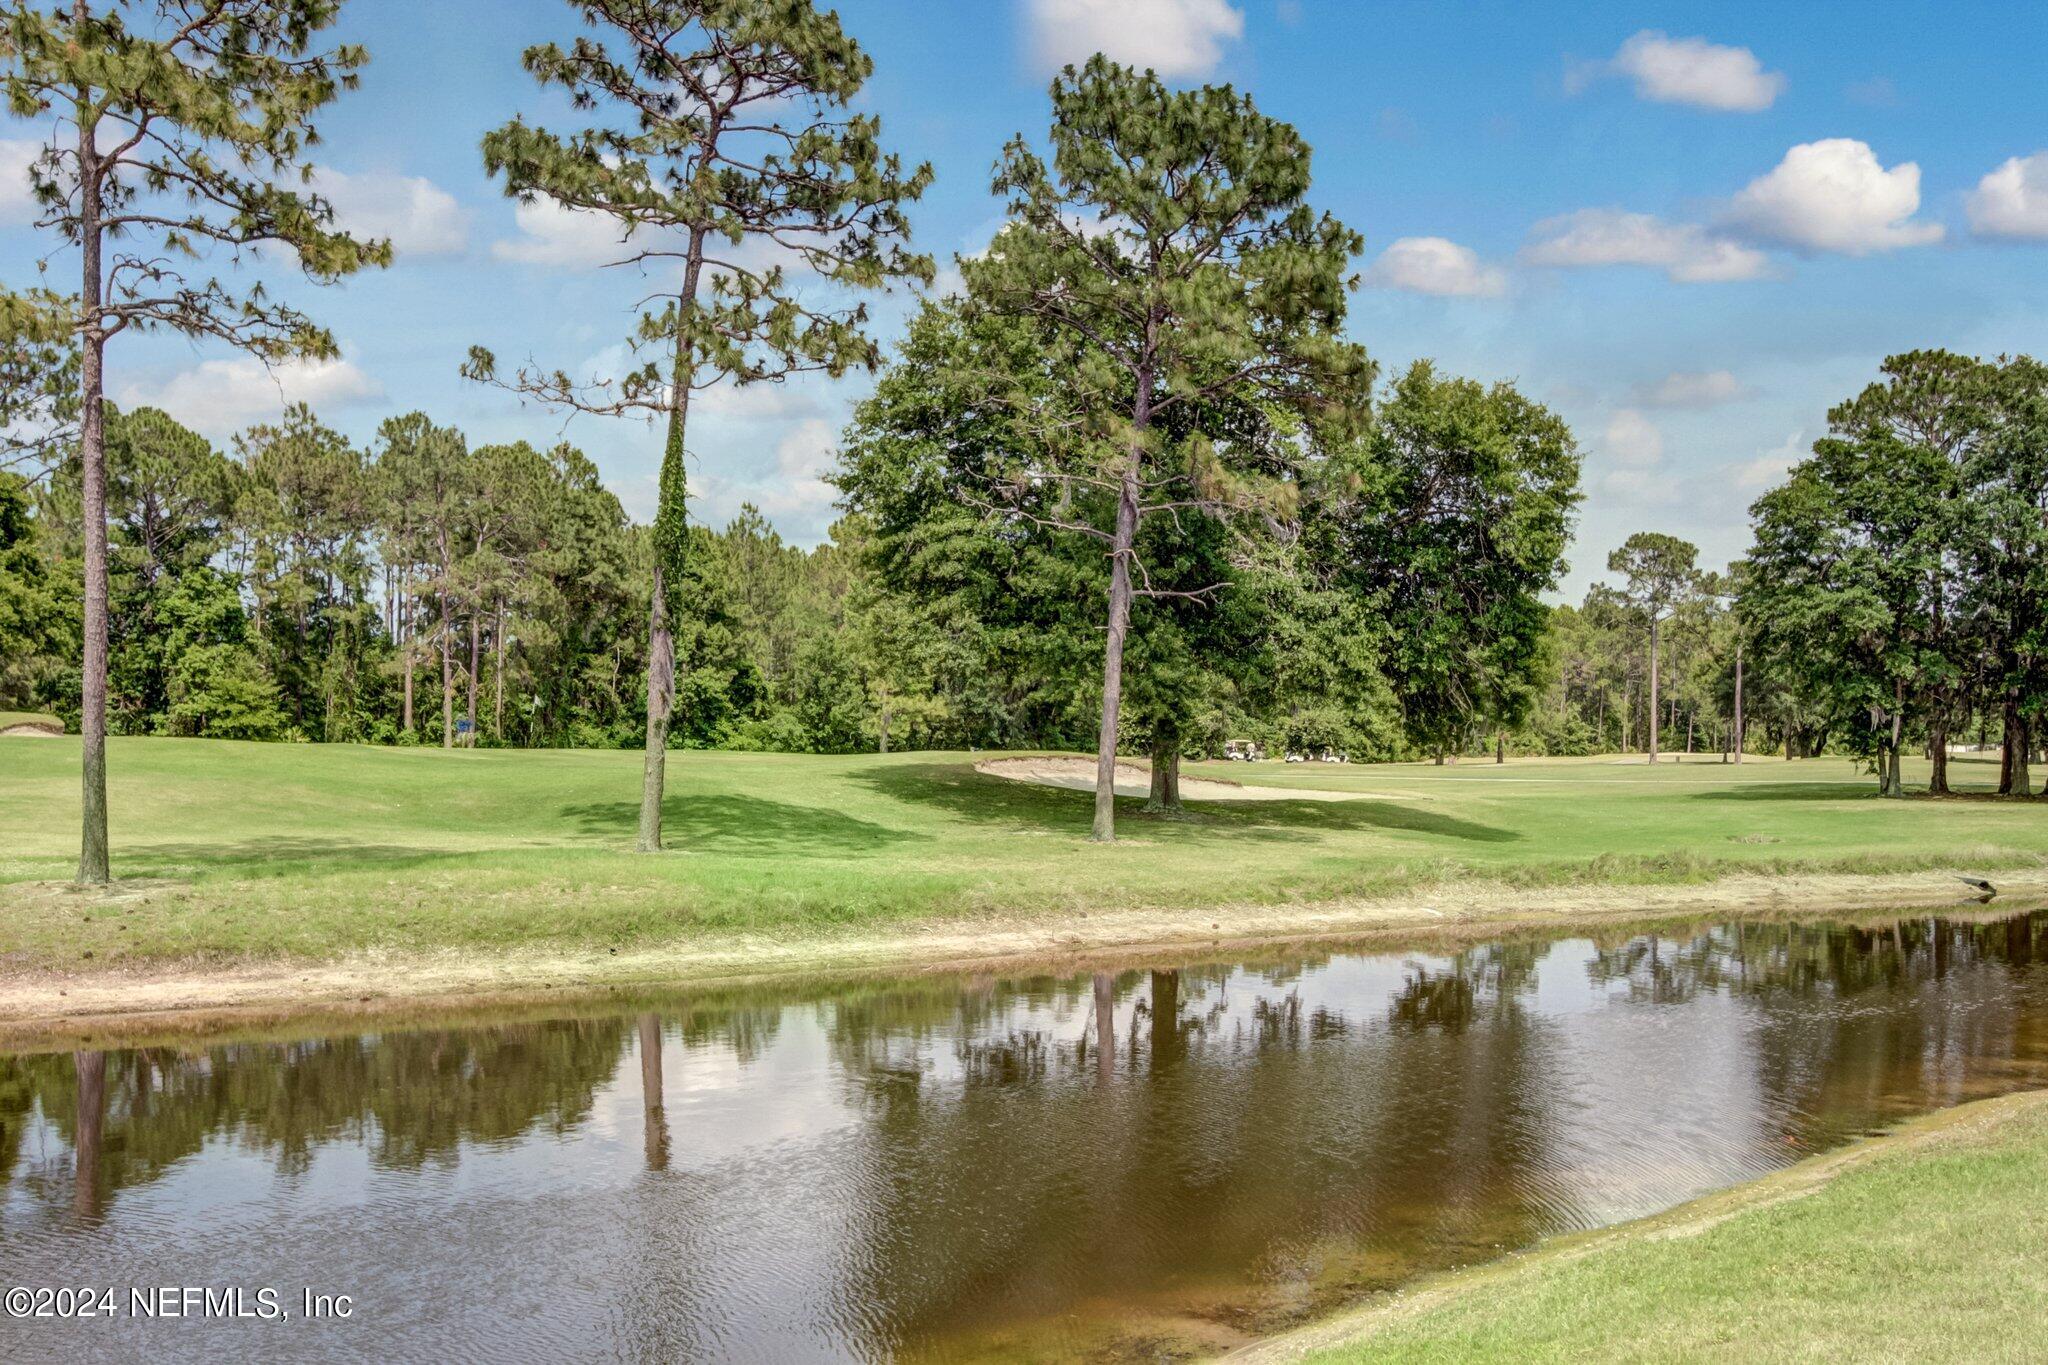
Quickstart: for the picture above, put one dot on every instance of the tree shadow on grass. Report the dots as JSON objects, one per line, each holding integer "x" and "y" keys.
{"x": 1793, "y": 791}
{"x": 960, "y": 791}
{"x": 742, "y": 824}
{"x": 260, "y": 857}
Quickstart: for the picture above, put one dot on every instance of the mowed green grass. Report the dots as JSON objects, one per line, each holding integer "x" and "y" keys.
{"x": 1933, "y": 1252}
{"x": 231, "y": 849}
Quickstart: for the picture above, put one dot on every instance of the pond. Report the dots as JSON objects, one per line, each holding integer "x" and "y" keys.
{"x": 1145, "y": 1164}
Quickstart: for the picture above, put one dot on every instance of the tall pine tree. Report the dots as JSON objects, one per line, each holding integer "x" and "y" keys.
{"x": 728, "y": 159}
{"x": 1167, "y": 259}
{"x": 180, "y": 126}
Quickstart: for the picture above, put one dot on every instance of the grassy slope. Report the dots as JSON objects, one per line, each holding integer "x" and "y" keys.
{"x": 1930, "y": 1248}
{"x": 253, "y": 849}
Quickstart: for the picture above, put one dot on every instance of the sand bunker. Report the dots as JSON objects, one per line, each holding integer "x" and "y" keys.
{"x": 33, "y": 730}
{"x": 1078, "y": 774}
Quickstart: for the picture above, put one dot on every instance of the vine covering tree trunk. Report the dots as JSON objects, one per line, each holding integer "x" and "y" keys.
{"x": 718, "y": 125}
{"x": 671, "y": 562}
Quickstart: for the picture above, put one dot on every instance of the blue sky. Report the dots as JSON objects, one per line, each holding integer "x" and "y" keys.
{"x": 1689, "y": 228}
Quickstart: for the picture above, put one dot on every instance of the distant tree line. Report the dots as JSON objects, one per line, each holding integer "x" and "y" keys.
{"x": 421, "y": 590}
{"x": 1895, "y": 599}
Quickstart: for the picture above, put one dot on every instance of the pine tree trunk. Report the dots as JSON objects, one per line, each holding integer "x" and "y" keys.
{"x": 1122, "y": 547}
{"x": 661, "y": 686}
{"x": 475, "y": 645}
{"x": 94, "y": 867}
{"x": 406, "y": 614}
{"x": 1740, "y": 738}
{"x": 498, "y": 676}
{"x": 447, "y": 677}
{"x": 670, "y": 511}
{"x": 882, "y": 738}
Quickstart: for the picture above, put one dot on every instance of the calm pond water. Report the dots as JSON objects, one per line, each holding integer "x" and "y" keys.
{"x": 1153, "y": 1163}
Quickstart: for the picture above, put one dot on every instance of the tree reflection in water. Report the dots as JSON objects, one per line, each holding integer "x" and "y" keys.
{"x": 1127, "y": 1163}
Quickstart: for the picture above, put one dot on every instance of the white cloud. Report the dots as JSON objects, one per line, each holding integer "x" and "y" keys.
{"x": 2012, "y": 201}
{"x": 1833, "y": 195}
{"x": 947, "y": 280}
{"x": 806, "y": 449}
{"x": 582, "y": 239}
{"x": 553, "y": 235}
{"x": 764, "y": 402}
{"x": 1696, "y": 72}
{"x": 1632, "y": 466}
{"x": 1769, "y": 468}
{"x": 219, "y": 397}
{"x": 794, "y": 495}
{"x": 1633, "y": 439}
{"x": 1686, "y": 252}
{"x": 17, "y": 205}
{"x": 1692, "y": 389}
{"x": 1436, "y": 265}
{"x": 419, "y": 217}
{"x": 1637, "y": 486}
{"x": 1173, "y": 37}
